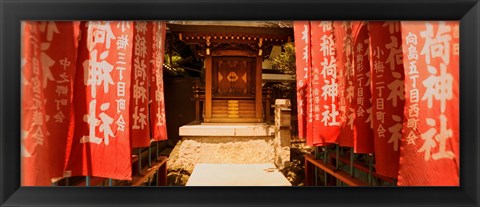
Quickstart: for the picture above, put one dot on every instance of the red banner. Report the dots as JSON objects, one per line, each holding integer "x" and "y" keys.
{"x": 430, "y": 152}
{"x": 48, "y": 61}
{"x": 325, "y": 114}
{"x": 344, "y": 48}
{"x": 301, "y": 31}
{"x": 140, "y": 96}
{"x": 363, "y": 126}
{"x": 387, "y": 94}
{"x": 101, "y": 143}
{"x": 157, "y": 107}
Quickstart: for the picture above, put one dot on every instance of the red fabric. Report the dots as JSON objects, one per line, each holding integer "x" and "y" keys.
{"x": 301, "y": 31}
{"x": 344, "y": 48}
{"x": 430, "y": 150}
{"x": 387, "y": 95}
{"x": 48, "y": 62}
{"x": 157, "y": 107}
{"x": 363, "y": 139}
{"x": 323, "y": 79}
{"x": 101, "y": 144}
{"x": 140, "y": 95}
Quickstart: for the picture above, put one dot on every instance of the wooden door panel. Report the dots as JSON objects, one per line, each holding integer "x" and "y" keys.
{"x": 233, "y": 77}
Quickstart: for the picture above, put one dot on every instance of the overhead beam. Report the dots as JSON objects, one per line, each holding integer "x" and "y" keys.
{"x": 230, "y": 29}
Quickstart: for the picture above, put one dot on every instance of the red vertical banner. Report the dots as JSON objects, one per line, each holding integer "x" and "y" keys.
{"x": 430, "y": 153}
{"x": 48, "y": 63}
{"x": 157, "y": 107}
{"x": 387, "y": 76}
{"x": 363, "y": 139}
{"x": 326, "y": 125}
{"x": 344, "y": 48}
{"x": 101, "y": 142}
{"x": 34, "y": 147}
{"x": 303, "y": 63}
{"x": 140, "y": 96}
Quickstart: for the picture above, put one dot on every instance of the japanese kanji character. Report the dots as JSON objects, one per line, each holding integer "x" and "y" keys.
{"x": 101, "y": 32}
{"x": 395, "y": 56}
{"x": 438, "y": 87}
{"x": 93, "y": 122}
{"x": 97, "y": 72}
{"x": 122, "y": 42}
{"x": 330, "y": 89}
{"x": 397, "y": 89}
{"x": 436, "y": 45}
{"x": 396, "y": 131}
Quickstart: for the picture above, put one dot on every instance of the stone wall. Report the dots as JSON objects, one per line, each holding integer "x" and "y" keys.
{"x": 233, "y": 150}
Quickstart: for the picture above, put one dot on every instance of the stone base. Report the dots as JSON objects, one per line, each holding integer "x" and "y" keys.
{"x": 232, "y": 150}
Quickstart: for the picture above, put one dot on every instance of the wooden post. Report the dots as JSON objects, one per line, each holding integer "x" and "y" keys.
{"x": 258, "y": 89}
{"x": 308, "y": 173}
{"x": 208, "y": 88}
{"x": 267, "y": 106}
{"x": 197, "y": 109}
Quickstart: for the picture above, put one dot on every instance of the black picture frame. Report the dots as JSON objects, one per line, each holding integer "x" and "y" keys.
{"x": 13, "y": 11}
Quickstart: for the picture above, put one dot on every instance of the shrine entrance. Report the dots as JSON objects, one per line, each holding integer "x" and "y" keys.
{"x": 233, "y": 89}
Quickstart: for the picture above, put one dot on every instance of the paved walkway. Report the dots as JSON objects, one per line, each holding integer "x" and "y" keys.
{"x": 266, "y": 174}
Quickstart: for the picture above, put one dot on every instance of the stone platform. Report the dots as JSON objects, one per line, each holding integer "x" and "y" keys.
{"x": 263, "y": 174}
{"x": 227, "y": 129}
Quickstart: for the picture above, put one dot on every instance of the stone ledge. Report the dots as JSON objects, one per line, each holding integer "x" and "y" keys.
{"x": 227, "y": 129}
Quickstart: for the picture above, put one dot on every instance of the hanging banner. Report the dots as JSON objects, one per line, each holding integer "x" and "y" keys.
{"x": 430, "y": 153}
{"x": 346, "y": 104}
{"x": 387, "y": 79}
{"x": 157, "y": 107}
{"x": 48, "y": 61}
{"x": 140, "y": 135}
{"x": 301, "y": 31}
{"x": 363, "y": 126}
{"x": 101, "y": 142}
{"x": 326, "y": 125}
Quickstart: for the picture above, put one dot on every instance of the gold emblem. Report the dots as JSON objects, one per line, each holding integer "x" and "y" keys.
{"x": 232, "y": 76}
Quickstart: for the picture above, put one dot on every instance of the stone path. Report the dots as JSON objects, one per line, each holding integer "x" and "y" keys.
{"x": 266, "y": 174}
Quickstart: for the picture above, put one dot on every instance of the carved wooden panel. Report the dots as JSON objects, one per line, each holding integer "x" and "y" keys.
{"x": 233, "y": 77}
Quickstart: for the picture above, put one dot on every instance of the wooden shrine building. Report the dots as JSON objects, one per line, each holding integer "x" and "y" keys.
{"x": 232, "y": 57}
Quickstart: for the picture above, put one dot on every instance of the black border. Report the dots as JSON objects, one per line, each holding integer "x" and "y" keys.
{"x": 12, "y": 11}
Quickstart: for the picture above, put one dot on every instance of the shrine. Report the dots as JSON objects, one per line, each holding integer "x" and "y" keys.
{"x": 232, "y": 87}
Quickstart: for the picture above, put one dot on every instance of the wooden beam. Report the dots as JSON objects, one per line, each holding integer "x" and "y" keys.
{"x": 207, "y": 29}
{"x": 258, "y": 89}
{"x": 244, "y": 53}
{"x": 330, "y": 169}
{"x": 208, "y": 88}
{"x": 216, "y": 39}
{"x": 361, "y": 167}
{"x": 148, "y": 172}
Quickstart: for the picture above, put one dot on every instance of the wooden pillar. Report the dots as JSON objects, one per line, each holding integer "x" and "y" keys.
{"x": 208, "y": 88}
{"x": 258, "y": 89}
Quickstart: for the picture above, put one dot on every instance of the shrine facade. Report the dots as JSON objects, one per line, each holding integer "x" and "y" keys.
{"x": 231, "y": 91}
